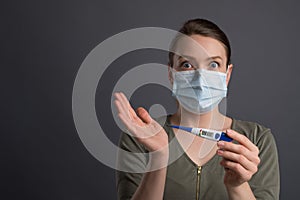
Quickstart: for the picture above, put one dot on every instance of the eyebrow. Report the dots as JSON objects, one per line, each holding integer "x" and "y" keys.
{"x": 194, "y": 59}
{"x": 216, "y": 57}
{"x": 187, "y": 57}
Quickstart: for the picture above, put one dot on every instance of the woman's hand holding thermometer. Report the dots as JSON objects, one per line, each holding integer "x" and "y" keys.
{"x": 240, "y": 160}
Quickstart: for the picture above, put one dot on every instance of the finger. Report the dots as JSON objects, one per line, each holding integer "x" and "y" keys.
{"x": 125, "y": 113}
{"x": 122, "y": 95}
{"x": 237, "y": 168}
{"x": 239, "y": 149}
{"x": 128, "y": 124}
{"x": 242, "y": 140}
{"x": 127, "y": 105}
{"x": 144, "y": 115}
{"x": 120, "y": 100}
{"x": 121, "y": 107}
{"x": 238, "y": 158}
{"x": 124, "y": 100}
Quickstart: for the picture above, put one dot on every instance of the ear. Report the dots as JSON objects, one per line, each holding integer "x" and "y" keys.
{"x": 229, "y": 71}
{"x": 170, "y": 74}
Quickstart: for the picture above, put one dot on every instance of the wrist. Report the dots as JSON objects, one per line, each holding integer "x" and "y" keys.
{"x": 158, "y": 159}
{"x": 235, "y": 188}
{"x": 242, "y": 191}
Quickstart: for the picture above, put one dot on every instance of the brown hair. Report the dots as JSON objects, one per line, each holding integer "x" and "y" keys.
{"x": 205, "y": 28}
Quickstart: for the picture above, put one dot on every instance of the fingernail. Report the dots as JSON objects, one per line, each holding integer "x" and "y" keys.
{"x": 220, "y": 152}
{"x": 220, "y": 143}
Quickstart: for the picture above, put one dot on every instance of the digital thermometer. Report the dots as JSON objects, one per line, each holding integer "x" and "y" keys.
{"x": 205, "y": 133}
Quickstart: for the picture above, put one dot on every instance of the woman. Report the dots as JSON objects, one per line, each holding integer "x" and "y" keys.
{"x": 244, "y": 169}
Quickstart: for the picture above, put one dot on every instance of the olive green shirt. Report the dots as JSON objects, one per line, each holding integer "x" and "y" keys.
{"x": 186, "y": 180}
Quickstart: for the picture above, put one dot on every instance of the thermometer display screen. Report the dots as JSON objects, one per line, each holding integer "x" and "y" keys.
{"x": 206, "y": 133}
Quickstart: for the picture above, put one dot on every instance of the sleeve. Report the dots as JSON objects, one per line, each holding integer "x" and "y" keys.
{"x": 131, "y": 161}
{"x": 265, "y": 183}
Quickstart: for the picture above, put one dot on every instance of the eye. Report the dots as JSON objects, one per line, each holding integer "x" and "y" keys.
{"x": 214, "y": 64}
{"x": 186, "y": 65}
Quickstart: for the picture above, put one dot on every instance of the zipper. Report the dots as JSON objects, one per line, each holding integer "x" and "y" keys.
{"x": 198, "y": 182}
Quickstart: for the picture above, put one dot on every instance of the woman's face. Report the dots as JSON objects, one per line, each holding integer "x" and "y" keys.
{"x": 201, "y": 52}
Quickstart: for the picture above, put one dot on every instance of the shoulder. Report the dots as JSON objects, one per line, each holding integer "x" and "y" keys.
{"x": 247, "y": 125}
{"x": 256, "y": 132}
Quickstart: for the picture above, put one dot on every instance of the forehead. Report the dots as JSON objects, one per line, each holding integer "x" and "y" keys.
{"x": 200, "y": 47}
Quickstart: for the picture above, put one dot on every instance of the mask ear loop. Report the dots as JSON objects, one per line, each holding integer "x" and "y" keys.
{"x": 227, "y": 69}
{"x": 173, "y": 71}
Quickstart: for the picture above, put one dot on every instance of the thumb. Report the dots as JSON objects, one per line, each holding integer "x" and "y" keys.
{"x": 143, "y": 115}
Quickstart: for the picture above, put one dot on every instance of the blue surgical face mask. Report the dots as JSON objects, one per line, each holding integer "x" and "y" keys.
{"x": 199, "y": 91}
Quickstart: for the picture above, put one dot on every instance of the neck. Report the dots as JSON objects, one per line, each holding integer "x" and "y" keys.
{"x": 210, "y": 120}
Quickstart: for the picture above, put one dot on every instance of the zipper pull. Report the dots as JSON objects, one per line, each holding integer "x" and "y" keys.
{"x": 199, "y": 170}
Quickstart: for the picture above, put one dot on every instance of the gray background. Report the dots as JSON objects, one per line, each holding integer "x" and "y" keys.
{"x": 43, "y": 44}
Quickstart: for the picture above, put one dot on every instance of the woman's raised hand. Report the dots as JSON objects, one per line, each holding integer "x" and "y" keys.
{"x": 140, "y": 124}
